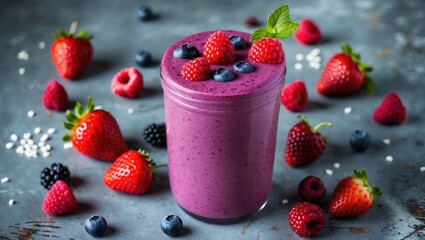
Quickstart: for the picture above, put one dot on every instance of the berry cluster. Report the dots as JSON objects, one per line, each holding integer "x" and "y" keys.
{"x": 218, "y": 50}
{"x": 56, "y": 172}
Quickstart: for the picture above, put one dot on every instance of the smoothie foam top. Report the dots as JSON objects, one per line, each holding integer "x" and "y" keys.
{"x": 245, "y": 84}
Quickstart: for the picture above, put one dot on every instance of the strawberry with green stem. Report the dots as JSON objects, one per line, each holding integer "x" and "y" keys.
{"x": 344, "y": 75}
{"x": 304, "y": 143}
{"x": 353, "y": 196}
{"x": 266, "y": 47}
{"x": 131, "y": 173}
{"x": 71, "y": 52}
{"x": 94, "y": 133}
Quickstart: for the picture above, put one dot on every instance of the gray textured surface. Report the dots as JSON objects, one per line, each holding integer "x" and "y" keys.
{"x": 389, "y": 34}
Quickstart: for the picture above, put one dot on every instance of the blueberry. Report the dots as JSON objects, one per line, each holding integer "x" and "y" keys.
{"x": 144, "y": 13}
{"x": 360, "y": 140}
{"x": 172, "y": 225}
{"x": 238, "y": 42}
{"x": 96, "y": 226}
{"x": 186, "y": 51}
{"x": 143, "y": 59}
{"x": 243, "y": 67}
{"x": 223, "y": 75}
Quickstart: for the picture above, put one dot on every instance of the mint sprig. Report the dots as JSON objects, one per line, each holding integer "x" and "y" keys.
{"x": 279, "y": 25}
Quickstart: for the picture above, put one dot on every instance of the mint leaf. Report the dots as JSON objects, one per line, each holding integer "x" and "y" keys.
{"x": 258, "y": 34}
{"x": 286, "y": 30}
{"x": 275, "y": 16}
{"x": 279, "y": 25}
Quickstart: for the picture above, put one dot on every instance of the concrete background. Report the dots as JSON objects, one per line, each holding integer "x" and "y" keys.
{"x": 389, "y": 35}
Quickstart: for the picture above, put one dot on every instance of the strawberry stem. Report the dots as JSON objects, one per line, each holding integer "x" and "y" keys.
{"x": 318, "y": 126}
{"x": 159, "y": 166}
{"x": 73, "y": 27}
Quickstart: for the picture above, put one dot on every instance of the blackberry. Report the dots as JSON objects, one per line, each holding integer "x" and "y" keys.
{"x": 154, "y": 134}
{"x": 56, "y": 172}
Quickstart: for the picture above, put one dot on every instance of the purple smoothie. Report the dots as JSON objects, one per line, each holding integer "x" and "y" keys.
{"x": 221, "y": 137}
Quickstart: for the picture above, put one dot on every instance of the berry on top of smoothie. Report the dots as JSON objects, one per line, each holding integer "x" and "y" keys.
{"x": 218, "y": 49}
{"x": 266, "y": 47}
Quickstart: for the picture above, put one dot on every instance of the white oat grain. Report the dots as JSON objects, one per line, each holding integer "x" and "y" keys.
{"x": 21, "y": 71}
{"x": 422, "y": 169}
{"x": 50, "y": 131}
{"x": 386, "y": 141}
{"x": 337, "y": 165}
{"x": 14, "y": 137}
{"x": 389, "y": 158}
{"x": 41, "y": 45}
{"x": 67, "y": 145}
{"x": 5, "y": 180}
{"x": 11, "y": 202}
{"x": 9, "y": 145}
{"x": 299, "y": 57}
{"x": 348, "y": 110}
{"x": 37, "y": 130}
{"x": 298, "y": 66}
{"x": 329, "y": 171}
{"x": 130, "y": 111}
{"x": 30, "y": 113}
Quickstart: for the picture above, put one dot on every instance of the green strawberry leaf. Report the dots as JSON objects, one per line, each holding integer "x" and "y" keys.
{"x": 369, "y": 85}
{"x": 279, "y": 25}
{"x": 66, "y": 138}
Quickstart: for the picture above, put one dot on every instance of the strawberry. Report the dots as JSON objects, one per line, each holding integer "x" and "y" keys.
{"x": 304, "y": 144}
{"x": 94, "y": 133}
{"x": 127, "y": 83}
{"x": 345, "y": 75}
{"x": 71, "y": 53}
{"x": 294, "y": 96}
{"x": 59, "y": 199}
{"x": 267, "y": 50}
{"x": 353, "y": 196}
{"x": 391, "y": 111}
{"x": 196, "y": 70}
{"x": 55, "y": 96}
{"x": 308, "y": 32}
{"x": 130, "y": 173}
{"x": 218, "y": 49}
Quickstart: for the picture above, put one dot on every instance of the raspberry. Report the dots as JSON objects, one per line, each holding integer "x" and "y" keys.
{"x": 251, "y": 21}
{"x": 391, "y": 111}
{"x": 55, "y": 96}
{"x": 219, "y": 50}
{"x": 306, "y": 219}
{"x": 294, "y": 96}
{"x": 60, "y": 200}
{"x": 196, "y": 70}
{"x": 307, "y": 32}
{"x": 267, "y": 50}
{"x": 50, "y": 176}
{"x": 127, "y": 83}
{"x": 311, "y": 189}
{"x": 155, "y": 135}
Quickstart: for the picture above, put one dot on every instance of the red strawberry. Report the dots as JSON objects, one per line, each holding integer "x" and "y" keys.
{"x": 294, "y": 96}
{"x": 353, "y": 196}
{"x": 267, "y": 50}
{"x": 94, "y": 133}
{"x": 219, "y": 50}
{"x": 60, "y": 199}
{"x": 391, "y": 111}
{"x": 196, "y": 70}
{"x": 55, "y": 96}
{"x": 304, "y": 144}
{"x": 308, "y": 32}
{"x": 71, "y": 53}
{"x": 306, "y": 219}
{"x": 344, "y": 75}
{"x": 127, "y": 83}
{"x": 130, "y": 173}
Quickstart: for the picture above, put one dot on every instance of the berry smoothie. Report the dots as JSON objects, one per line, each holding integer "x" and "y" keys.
{"x": 221, "y": 136}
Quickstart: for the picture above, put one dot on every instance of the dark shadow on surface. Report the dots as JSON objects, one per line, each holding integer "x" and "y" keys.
{"x": 96, "y": 67}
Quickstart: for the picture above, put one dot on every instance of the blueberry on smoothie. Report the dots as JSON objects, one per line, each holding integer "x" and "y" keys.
{"x": 186, "y": 51}
{"x": 96, "y": 226}
{"x": 172, "y": 225}
{"x": 360, "y": 140}
{"x": 144, "y": 13}
{"x": 243, "y": 67}
{"x": 223, "y": 75}
{"x": 238, "y": 42}
{"x": 143, "y": 59}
